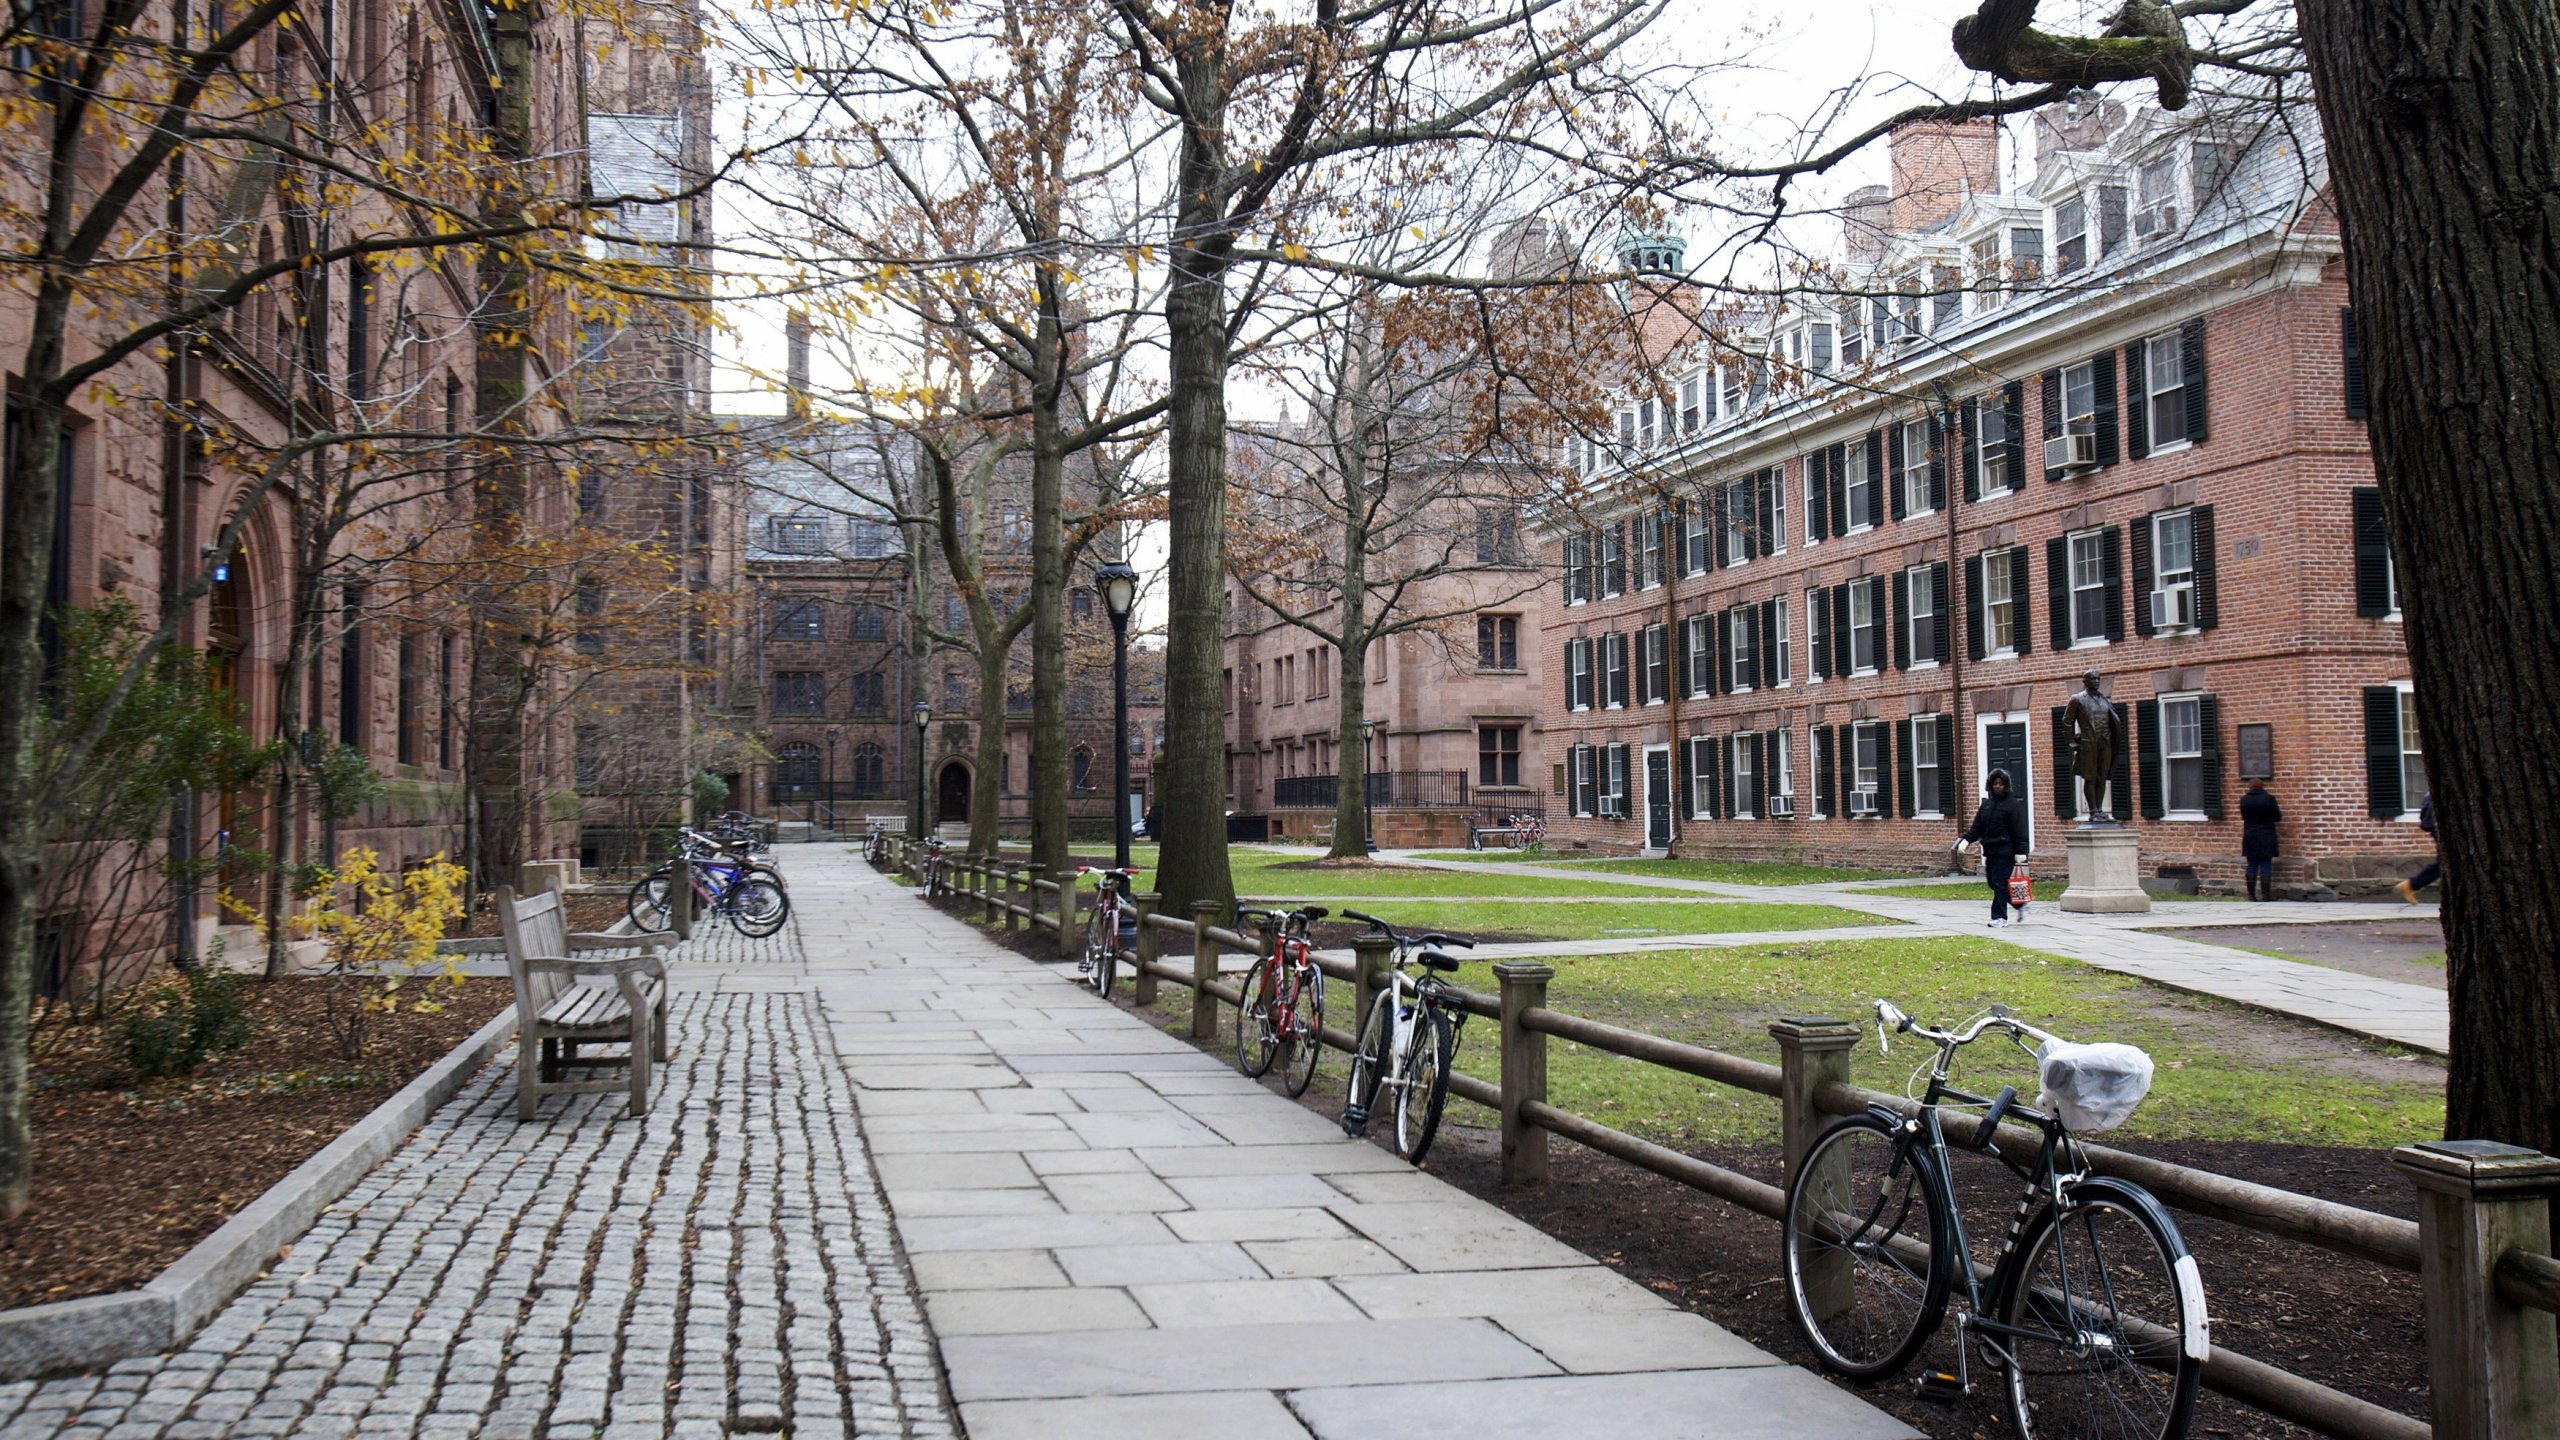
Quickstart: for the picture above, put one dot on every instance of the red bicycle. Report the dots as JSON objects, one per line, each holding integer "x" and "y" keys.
{"x": 1283, "y": 1009}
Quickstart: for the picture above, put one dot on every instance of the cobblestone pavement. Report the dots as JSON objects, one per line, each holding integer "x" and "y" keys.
{"x": 726, "y": 1266}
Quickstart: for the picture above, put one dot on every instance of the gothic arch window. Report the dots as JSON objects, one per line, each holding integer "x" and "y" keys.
{"x": 1083, "y": 767}
{"x": 795, "y": 770}
{"x": 870, "y": 770}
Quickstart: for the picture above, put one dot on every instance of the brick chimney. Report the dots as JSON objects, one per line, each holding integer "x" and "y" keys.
{"x": 795, "y": 333}
{"x": 1866, "y": 222}
{"x": 1936, "y": 165}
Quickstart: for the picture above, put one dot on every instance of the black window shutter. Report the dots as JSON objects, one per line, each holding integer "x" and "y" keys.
{"x": 2021, "y": 614}
{"x": 1875, "y": 477}
{"x": 1937, "y": 460}
{"x": 1768, "y": 643}
{"x": 1816, "y": 495}
{"x": 2120, "y": 782}
{"x": 1974, "y": 620}
{"x": 1725, "y": 779}
{"x": 2146, "y": 729}
{"x": 1948, "y": 774}
{"x": 2052, "y": 385}
{"x": 2382, "y": 797}
{"x": 1939, "y": 615}
{"x": 2191, "y": 369}
{"x": 2208, "y": 597}
{"x": 2209, "y": 718}
{"x": 1968, "y": 427}
{"x": 2057, "y": 584}
{"x": 1765, "y": 494}
{"x": 1568, "y": 672}
{"x": 1817, "y": 634}
{"x": 1840, "y": 647}
{"x": 1893, "y": 499}
{"x": 1724, "y": 652}
{"x": 1823, "y": 791}
{"x": 2142, "y": 576}
{"x": 2065, "y": 793}
{"x": 1679, "y": 643}
{"x": 2102, "y": 367}
{"x": 1901, "y": 620}
{"x": 2137, "y": 420}
{"x": 1713, "y": 501}
{"x": 1760, "y": 775}
{"x": 1884, "y": 769}
{"x": 1684, "y": 761}
{"x": 2111, "y": 567}
{"x": 2014, "y": 401}
{"x": 2351, "y": 363}
{"x": 1838, "y": 470}
{"x": 2373, "y": 557}
{"x": 1903, "y": 785}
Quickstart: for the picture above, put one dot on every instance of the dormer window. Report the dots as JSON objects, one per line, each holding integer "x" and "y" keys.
{"x": 1626, "y": 430}
{"x": 1818, "y": 346}
{"x": 2026, "y": 253}
{"x": 1645, "y": 431}
{"x": 1879, "y": 326}
{"x": 802, "y": 534}
{"x": 2155, "y": 197}
{"x": 1907, "y": 304}
{"x": 1735, "y": 378}
{"x": 1689, "y": 413}
{"x": 1988, "y": 274}
{"x": 2070, "y": 235}
{"x": 1853, "y": 336}
{"x": 1946, "y": 295}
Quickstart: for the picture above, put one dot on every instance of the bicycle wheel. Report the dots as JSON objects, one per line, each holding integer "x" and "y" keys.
{"x": 1257, "y": 1040}
{"x": 648, "y": 907}
{"x": 1867, "y": 1280}
{"x": 2102, "y": 1288}
{"x": 1305, "y": 1040}
{"x": 757, "y": 907}
{"x": 1101, "y": 950}
{"x": 1368, "y": 1064}
{"x": 1427, "y": 1053}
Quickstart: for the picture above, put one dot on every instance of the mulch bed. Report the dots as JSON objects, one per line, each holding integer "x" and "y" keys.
{"x": 129, "y": 1177}
{"x": 586, "y": 914}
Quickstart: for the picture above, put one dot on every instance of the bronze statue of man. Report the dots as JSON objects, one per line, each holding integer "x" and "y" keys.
{"x": 2097, "y": 738}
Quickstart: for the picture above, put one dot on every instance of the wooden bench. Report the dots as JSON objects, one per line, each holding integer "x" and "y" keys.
{"x": 556, "y": 1014}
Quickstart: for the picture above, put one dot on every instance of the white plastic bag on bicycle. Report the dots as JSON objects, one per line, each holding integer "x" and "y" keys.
{"x": 2092, "y": 1087}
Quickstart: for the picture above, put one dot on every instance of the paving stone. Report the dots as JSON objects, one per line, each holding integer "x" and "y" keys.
{"x": 1629, "y": 1340}
{"x": 1024, "y": 1312}
{"x": 1157, "y": 1264}
{"x": 1242, "y": 1302}
{"x": 1580, "y": 1290}
{"x": 1227, "y": 1415}
{"x": 986, "y": 1270}
{"x": 1762, "y": 1403}
{"x": 1030, "y": 1367}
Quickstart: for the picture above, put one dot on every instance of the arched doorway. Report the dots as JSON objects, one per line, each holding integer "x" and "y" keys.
{"x": 226, "y": 647}
{"x": 951, "y": 793}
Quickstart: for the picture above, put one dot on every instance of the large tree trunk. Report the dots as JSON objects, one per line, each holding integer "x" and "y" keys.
{"x": 1192, "y": 771}
{"x": 2443, "y": 126}
{"x": 986, "y": 797}
{"x": 1351, "y": 795}
{"x": 1049, "y": 839}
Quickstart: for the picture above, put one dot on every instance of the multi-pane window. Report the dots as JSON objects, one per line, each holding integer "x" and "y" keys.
{"x": 1775, "y": 486}
{"x": 1987, "y": 273}
{"x": 1497, "y": 644}
{"x": 2088, "y": 586}
{"x": 1497, "y": 535}
{"x": 1745, "y": 779}
{"x": 2155, "y": 196}
{"x": 1858, "y": 487}
{"x": 1736, "y": 379}
{"x": 1782, "y": 772}
{"x": 1690, "y": 411}
{"x": 1645, "y": 431}
{"x": 1577, "y": 569}
{"x": 2080, "y": 398}
{"x": 2070, "y": 235}
{"x": 1613, "y": 671}
{"x": 1853, "y": 335}
{"x": 1739, "y": 522}
{"x": 1657, "y": 663}
{"x": 2165, "y": 389}
{"x": 1928, "y": 788}
{"x": 2182, "y": 754}
{"x": 1782, "y": 653}
{"x": 799, "y": 620}
{"x": 2026, "y": 251}
{"x": 1695, "y": 535}
{"x": 2413, "y": 756}
{"x": 1818, "y": 346}
{"x": 801, "y": 534}
{"x": 870, "y": 622}
{"x": 1862, "y": 627}
{"x": 1613, "y": 561}
{"x": 1320, "y": 670}
{"x": 1498, "y": 755}
{"x": 1866, "y": 765}
{"x": 1702, "y": 777}
{"x": 1744, "y": 646}
{"x": 800, "y": 692}
{"x": 1577, "y": 674}
{"x": 1649, "y": 571}
{"x": 870, "y": 694}
{"x": 1614, "y": 804}
{"x": 1999, "y": 606}
{"x": 1584, "y": 783}
{"x": 1702, "y": 653}
{"x": 1915, "y": 468}
{"x": 1991, "y": 446}
{"x": 873, "y": 539}
{"x": 1920, "y": 613}
{"x": 2173, "y": 561}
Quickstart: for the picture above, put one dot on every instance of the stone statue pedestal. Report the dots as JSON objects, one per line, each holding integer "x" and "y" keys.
{"x": 2106, "y": 872}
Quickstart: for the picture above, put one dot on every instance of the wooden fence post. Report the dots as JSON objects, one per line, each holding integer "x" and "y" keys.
{"x": 2490, "y": 1363}
{"x": 1070, "y": 944}
{"x": 1368, "y": 971}
{"x": 1812, "y": 1052}
{"x": 989, "y": 902}
{"x": 1017, "y": 891}
{"x": 1524, "y": 1069}
{"x": 1204, "y": 968}
{"x": 1150, "y": 941}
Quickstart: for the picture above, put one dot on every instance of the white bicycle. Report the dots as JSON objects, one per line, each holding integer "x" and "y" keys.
{"x": 1408, "y": 1040}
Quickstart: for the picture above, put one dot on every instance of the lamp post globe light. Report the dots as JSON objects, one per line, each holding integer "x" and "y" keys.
{"x": 1118, "y": 583}
{"x": 1368, "y": 814}
{"x": 924, "y": 717}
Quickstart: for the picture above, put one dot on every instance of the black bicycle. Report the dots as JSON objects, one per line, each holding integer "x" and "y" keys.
{"x": 1408, "y": 1040}
{"x": 2093, "y": 1310}
{"x": 1282, "y": 1013}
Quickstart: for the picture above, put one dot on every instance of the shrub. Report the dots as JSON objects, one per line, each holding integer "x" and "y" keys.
{"x": 184, "y": 1022}
{"x": 381, "y": 929}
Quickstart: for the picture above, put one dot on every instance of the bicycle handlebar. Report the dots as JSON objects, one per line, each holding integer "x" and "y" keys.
{"x": 1407, "y": 942}
{"x": 1995, "y": 1018}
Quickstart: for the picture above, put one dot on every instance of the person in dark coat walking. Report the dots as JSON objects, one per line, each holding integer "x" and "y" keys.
{"x": 2000, "y": 828}
{"x": 2434, "y": 872}
{"x": 2259, "y": 816}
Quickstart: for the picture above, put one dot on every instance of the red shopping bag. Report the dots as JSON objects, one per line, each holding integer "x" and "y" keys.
{"x": 2020, "y": 890}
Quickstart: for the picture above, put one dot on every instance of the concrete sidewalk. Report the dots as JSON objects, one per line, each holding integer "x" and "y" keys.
{"x": 1118, "y": 1236}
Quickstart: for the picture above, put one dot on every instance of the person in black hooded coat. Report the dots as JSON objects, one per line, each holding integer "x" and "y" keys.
{"x": 2000, "y": 828}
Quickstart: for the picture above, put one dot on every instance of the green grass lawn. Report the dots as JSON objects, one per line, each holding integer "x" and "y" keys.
{"x": 1507, "y": 919}
{"x": 1729, "y": 872}
{"x": 1292, "y": 877}
{"x": 2224, "y": 1073}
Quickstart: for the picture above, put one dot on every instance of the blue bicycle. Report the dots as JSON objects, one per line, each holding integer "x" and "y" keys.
{"x": 752, "y": 899}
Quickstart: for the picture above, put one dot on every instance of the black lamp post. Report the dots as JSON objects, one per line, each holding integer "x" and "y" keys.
{"x": 1368, "y": 792}
{"x": 1119, "y": 586}
{"x": 827, "y": 780}
{"x": 924, "y": 717}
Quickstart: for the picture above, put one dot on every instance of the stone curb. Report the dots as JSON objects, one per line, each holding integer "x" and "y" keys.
{"x": 98, "y": 1330}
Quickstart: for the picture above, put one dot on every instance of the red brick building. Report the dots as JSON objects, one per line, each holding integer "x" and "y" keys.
{"x": 1854, "y": 554}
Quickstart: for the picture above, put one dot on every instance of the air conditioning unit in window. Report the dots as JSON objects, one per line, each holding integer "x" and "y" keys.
{"x": 2173, "y": 609}
{"x": 1782, "y": 807}
{"x": 1862, "y": 802}
{"x": 2075, "y": 451}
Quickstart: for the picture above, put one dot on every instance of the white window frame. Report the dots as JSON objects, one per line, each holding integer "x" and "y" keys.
{"x": 1866, "y": 764}
{"x": 1702, "y": 799}
{"x": 1999, "y": 607}
{"x": 1992, "y": 412}
{"x": 1696, "y": 535}
{"x": 1735, "y": 387}
{"x": 1786, "y": 651}
{"x": 2171, "y": 759}
{"x": 1610, "y": 540}
{"x": 1701, "y": 642}
{"x": 1782, "y": 766}
{"x": 1934, "y": 789}
{"x": 1578, "y": 673}
{"x": 2025, "y": 267}
{"x": 2069, "y": 211}
{"x": 1742, "y": 660}
{"x": 1746, "y": 781}
{"x": 1821, "y": 346}
{"x": 1582, "y": 763}
{"x": 2171, "y": 348}
{"x": 1738, "y": 529}
{"x": 1862, "y": 597}
{"x": 1914, "y": 474}
{"x": 2155, "y": 196}
{"x": 1856, "y": 484}
{"x": 1853, "y": 334}
{"x": 1656, "y": 647}
{"x": 1920, "y": 587}
{"x": 2412, "y": 752}
{"x": 2097, "y": 583}
{"x": 1614, "y": 803}
{"x": 1648, "y": 431}
{"x": 1650, "y": 563}
{"x": 1689, "y": 411}
{"x": 1776, "y": 486}
{"x": 1812, "y": 536}
{"x": 1990, "y": 276}
{"x": 2080, "y": 380}
{"x": 2161, "y": 581}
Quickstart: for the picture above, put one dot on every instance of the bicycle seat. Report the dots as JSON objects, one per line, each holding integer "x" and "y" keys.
{"x": 1434, "y": 960}
{"x": 1312, "y": 912}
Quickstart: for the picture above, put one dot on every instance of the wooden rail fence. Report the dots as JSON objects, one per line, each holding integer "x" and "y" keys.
{"x": 2480, "y": 1247}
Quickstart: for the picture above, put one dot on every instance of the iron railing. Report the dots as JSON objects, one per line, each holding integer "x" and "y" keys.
{"x": 1386, "y": 790}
